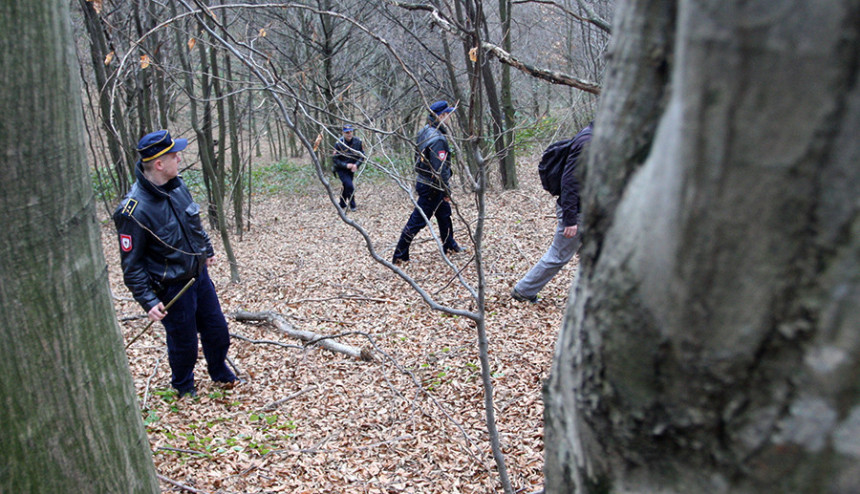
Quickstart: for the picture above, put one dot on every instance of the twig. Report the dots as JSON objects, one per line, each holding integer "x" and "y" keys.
{"x": 275, "y": 404}
{"x": 316, "y": 447}
{"x": 179, "y": 484}
{"x": 321, "y": 319}
{"x": 343, "y": 297}
{"x": 149, "y": 380}
{"x": 266, "y": 342}
{"x": 234, "y": 366}
{"x": 382, "y": 443}
{"x": 178, "y": 450}
{"x": 133, "y": 318}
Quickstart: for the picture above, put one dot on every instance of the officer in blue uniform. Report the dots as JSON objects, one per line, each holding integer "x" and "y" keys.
{"x": 433, "y": 170}
{"x": 348, "y": 156}
{"x": 162, "y": 246}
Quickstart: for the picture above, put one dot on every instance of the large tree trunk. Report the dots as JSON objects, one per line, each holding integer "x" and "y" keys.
{"x": 711, "y": 340}
{"x": 69, "y": 420}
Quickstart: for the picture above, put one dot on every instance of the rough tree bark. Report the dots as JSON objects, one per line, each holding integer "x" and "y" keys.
{"x": 711, "y": 339}
{"x": 69, "y": 420}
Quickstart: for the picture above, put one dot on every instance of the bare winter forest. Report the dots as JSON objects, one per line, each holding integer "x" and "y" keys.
{"x": 703, "y": 340}
{"x": 311, "y": 420}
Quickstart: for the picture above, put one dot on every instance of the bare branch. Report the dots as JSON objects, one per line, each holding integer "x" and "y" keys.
{"x": 592, "y": 17}
{"x": 548, "y": 75}
{"x": 552, "y": 76}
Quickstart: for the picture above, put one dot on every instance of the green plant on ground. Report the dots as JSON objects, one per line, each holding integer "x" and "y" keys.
{"x": 283, "y": 176}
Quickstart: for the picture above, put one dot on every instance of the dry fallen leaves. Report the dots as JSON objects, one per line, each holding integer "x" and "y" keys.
{"x": 354, "y": 426}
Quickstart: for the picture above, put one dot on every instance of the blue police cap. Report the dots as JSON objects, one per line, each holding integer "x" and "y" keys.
{"x": 348, "y": 128}
{"x": 159, "y": 143}
{"x": 441, "y": 107}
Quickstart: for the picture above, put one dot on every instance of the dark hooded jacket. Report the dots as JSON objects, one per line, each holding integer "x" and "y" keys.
{"x": 569, "y": 198}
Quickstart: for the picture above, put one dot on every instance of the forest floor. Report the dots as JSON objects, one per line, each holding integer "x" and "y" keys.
{"x": 412, "y": 420}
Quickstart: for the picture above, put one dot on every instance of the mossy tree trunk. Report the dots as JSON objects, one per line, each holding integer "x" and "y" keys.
{"x": 70, "y": 420}
{"x": 711, "y": 339}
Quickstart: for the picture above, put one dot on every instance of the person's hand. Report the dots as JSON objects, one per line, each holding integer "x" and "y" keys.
{"x": 352, "y": 167}
{"x": 157, "y": 313}
{"x": 446, "y": 199}
{"x": 569, "y": 231}
{"x": 210, "y": 261}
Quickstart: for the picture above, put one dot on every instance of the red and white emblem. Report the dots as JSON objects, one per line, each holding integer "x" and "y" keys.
{"x": 443, "y": 155}
{"x": 125, "y": 243}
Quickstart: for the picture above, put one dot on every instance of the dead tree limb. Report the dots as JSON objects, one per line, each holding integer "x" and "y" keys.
{"x": 310, "y": 337}
{"x": 551, "y": 76}
{"x": 591, "y": 17}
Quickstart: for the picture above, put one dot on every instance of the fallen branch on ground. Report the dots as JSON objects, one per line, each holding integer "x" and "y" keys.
{"x": 312, "y": 338}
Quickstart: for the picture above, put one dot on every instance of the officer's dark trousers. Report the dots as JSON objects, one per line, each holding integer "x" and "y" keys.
{"x": 347, "y": 195}
{"x": 197, "y": 310}
{"x": 432, "y": 202}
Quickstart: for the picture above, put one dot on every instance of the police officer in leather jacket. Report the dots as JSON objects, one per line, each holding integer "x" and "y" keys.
{"x": 347, "y": 157}
{"x": 433, "y": 170}
{"x": 162, "y": 246}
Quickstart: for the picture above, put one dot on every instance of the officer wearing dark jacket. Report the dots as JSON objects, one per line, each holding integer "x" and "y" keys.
{"x": 348, "y": 157}
{"x": 433, "y": 170}
{"x": 162, "y": 246}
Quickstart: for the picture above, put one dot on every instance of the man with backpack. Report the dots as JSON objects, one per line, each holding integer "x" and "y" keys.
{"x": 558, "y": 176}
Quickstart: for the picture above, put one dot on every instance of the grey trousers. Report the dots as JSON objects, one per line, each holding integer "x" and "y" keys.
{"x": 560, "y": 253}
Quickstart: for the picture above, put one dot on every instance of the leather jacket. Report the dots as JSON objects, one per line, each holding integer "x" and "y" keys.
{"x": 432, "y": 163}
{"x": 161, "y": 237}
{"x": 347, "y": 152}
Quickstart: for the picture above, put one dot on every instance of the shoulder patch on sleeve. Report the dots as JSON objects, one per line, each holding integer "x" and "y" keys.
{"x": 442, "y": 155}
{"x": 128, "y": 209}
{"x": 125, "y": 242}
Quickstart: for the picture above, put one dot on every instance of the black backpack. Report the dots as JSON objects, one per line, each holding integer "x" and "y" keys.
{"x": 551, "y": 165}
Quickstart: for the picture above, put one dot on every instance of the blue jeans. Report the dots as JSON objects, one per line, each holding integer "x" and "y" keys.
{"x": 560, "y": 253}
{"x": 347, "y": 194}
{"x": 431, "y": 202}
{"x": 196, "y": 311}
